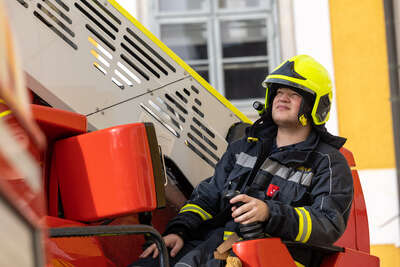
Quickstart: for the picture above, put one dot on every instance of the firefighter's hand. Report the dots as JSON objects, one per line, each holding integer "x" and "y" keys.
{"x": 173, "y": 241}
{"x": 252, "y": 210}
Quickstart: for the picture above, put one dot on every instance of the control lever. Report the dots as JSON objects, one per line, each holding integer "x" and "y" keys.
{"x": 246, "y": 231}
{"x": 231, "y": 194}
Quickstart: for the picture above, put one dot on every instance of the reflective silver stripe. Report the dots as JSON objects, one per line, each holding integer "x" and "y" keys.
{"x": 275, "y": 168}
{"x": 245, "y": 160}
{"x": 303, "y": 178}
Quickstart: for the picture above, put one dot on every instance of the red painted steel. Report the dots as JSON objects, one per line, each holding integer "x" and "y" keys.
{"x": 356, "y": 235}
{"x": 362, "y": 230}
{"x": 105, "y": 173}
{"x": 349, "y": 238}
{"x": 269, "y": 252}
{"x": 57, "y": 123}
{"x": 349, "y": 156}
{"x": 350, "y": 258}
{"x": 76, "y": 251}
{"x": 120, "y": 250}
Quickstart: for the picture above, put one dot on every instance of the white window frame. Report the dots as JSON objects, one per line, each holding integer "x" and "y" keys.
{"x": 210, "y": 47}
{"x": 213, "y": 17}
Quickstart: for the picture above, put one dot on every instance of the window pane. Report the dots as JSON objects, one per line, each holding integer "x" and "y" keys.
{"x": 244, "y": 38}
{"x": 243, "y": 80}
{"x": 202, "y": 71}
{"x": 241, "y": 3}
{"x": 189, "y": 41}
{"x": 182, "y": 5}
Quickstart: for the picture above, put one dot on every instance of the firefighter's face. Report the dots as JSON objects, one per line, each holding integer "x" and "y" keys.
{"x": 285, "y": 107}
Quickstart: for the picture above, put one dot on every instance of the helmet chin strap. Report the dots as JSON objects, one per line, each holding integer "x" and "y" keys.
{"x": 301, "y": 116}
{"x": 303, "y": 120}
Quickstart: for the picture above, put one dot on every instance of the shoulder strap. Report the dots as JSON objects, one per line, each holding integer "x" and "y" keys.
{"x": 262, "y": 154}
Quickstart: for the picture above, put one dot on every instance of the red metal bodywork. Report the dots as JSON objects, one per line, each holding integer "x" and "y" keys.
{"x": 269, "y": 252}
{"x": 106, "y": 173}
{"x": 58, "y": 124}
{"x": 77, "y": 251}
{"x": 117, "y": 152}
{"x": 356, "y": 236}
{"x": 55, "y": 124}
{"x": 350, "y": 257}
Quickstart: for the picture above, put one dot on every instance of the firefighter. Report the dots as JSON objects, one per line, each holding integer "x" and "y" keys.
{"x": 287, "y": 174}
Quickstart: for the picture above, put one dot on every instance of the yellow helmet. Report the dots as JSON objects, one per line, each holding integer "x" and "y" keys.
{"x": 309, "y": 78}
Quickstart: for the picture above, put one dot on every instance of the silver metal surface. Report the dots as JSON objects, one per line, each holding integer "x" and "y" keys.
{"x": 87, "y": 57}
{"x": 174, "y": 125}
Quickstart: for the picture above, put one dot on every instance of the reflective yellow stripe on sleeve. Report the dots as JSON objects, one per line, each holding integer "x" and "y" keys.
{"x": 305, "y": 225}
{"x": 196, "y": 209}
{"x": 227, "y": 234}
{"x": 298, "y": 264}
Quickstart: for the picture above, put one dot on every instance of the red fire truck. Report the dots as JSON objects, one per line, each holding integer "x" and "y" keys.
{"x": 130, "y": 130}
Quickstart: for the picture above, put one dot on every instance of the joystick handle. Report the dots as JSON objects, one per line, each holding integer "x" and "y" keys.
{"x": 231, "y": 194}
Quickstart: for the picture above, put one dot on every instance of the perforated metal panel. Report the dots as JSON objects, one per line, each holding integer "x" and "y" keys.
{"x": 90, "y": 57}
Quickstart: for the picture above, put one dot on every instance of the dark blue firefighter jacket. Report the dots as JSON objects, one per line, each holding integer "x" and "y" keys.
{"x": 309, "y": 189}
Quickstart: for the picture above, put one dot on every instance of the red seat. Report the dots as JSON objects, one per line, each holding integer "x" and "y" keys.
{"x": 106, "y": 173}
{"x": 355, "y": 239}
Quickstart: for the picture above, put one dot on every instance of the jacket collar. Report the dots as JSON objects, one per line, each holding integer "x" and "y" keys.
{"x": 265, "y": 129}
{"x": 326, "y": 137}
{"x": 296, "y": 153}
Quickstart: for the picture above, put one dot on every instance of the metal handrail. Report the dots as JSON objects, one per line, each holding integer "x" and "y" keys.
{"x": 113, "y": 230}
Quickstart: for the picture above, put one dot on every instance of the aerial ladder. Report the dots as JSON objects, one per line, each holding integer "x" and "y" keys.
{"x": 95, "y": 59}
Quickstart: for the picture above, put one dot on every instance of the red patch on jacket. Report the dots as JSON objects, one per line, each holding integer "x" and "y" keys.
{"x": 272, "y": 189}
